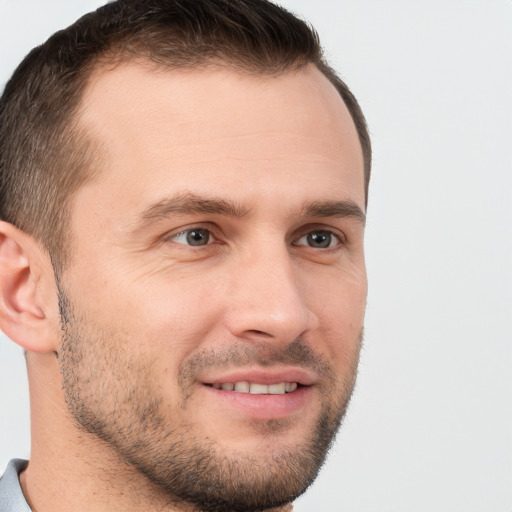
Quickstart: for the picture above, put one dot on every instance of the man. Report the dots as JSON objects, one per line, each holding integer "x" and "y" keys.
{"x": 183, "y": 188}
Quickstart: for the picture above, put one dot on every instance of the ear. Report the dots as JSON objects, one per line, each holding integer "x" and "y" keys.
{"x": 28, "y": 295}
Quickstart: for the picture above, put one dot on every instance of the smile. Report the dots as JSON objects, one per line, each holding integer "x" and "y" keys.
{"x": 256, "y": 388}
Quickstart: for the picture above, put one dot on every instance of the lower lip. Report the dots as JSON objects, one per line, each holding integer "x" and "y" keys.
{"x": 264, "y": 407}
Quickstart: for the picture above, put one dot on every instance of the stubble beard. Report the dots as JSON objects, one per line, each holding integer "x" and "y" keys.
{"x": 113, "y": 395}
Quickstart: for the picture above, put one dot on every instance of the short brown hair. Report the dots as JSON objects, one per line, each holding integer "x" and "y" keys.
{"x": 45, "y": 157}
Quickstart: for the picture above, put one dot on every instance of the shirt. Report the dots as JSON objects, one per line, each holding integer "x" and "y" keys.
{"x": 11, "y": 495}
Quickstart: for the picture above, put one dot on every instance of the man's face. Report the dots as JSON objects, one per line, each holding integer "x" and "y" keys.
{"x": 213, "y": 303}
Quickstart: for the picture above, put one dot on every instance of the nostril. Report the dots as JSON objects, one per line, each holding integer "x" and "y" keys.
{"x": 260, "y": 333}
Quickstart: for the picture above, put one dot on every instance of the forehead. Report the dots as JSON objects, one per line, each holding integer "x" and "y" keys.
{"x": 177, "y": 129}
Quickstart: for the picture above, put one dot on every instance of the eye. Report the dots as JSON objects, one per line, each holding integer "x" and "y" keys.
{"x": 194, "y": 237}
{"x": 319, "y": 239}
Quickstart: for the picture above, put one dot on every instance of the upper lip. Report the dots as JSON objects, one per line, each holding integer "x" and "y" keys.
{"x": 263, "y": 376}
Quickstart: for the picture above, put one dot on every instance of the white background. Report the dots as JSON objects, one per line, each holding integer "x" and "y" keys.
{"x": 430, "y": 425}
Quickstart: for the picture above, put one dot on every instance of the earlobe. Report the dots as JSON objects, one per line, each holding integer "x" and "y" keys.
{"x": 24, "y": 316}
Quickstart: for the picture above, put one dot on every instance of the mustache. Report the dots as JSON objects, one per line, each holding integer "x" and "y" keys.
{"x": 297, "y": 353}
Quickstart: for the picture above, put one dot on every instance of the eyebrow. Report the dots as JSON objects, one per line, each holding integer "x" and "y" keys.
{"x": 191, "y": 203}
{"x": 337, "y": 209}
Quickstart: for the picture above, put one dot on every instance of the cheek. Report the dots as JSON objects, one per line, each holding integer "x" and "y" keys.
{"x": 172, "y": 316}
{"x": 340, "y": 307}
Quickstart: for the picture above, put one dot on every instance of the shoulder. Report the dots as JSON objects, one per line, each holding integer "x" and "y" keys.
{"x": 11, "y": 496}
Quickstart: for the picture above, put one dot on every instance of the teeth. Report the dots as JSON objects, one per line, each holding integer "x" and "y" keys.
{"x": 277, "y": 389}
{"x": 242, "y": 387}
{"x": 257, "y": 389}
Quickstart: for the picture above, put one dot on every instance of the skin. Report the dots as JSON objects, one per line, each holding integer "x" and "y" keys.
{"x": 159, "y": 319}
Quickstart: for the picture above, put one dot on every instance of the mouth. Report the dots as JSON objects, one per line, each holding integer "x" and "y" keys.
{"x": 262, "y": 393}
{"x": 257, "y": 388}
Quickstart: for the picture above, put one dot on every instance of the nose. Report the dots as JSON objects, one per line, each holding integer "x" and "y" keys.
{"x": 269, "y": 298}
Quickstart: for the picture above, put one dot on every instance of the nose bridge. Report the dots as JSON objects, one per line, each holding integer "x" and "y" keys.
{"x": 268, "y": 298}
